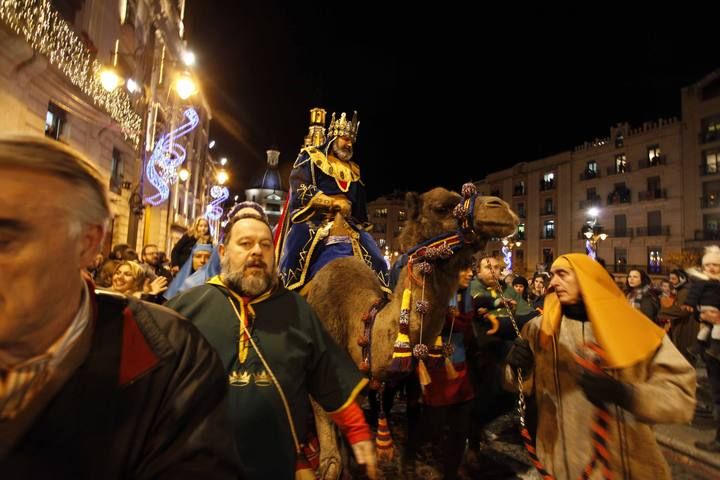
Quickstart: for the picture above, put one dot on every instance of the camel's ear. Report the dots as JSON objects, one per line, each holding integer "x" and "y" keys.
{"x": 413, "y": 205}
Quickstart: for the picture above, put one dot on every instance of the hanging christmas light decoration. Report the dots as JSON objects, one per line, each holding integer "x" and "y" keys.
{"x": 50, "y": 35}
{"x": 167, "y": 156}
{"x": 219, "y": 194}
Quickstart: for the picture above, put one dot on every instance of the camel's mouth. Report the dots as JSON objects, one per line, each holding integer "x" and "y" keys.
{"x": 496, "y": 228}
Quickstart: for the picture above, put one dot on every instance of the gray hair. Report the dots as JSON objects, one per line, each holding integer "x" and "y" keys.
{"x": 90, "y": 204}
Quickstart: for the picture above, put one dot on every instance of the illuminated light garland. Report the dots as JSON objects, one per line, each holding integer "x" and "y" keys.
{"x": 214, "y": 211}
{"x": 507, "y": 256}
{"x": 590, "y": 250}
{"x": 48, "y": 34}
{"x": 161, "y": 169}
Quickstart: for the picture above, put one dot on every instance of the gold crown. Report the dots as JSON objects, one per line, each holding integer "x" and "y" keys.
{"x": 342, "y": 127}
{"x": 262, "y": 379}
{"x": 239, "y": 380}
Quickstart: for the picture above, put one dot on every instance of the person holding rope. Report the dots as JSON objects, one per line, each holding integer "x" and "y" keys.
{"x": 602, "y": 374}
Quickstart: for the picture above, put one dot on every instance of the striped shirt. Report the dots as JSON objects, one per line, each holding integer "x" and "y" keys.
{"x": 20, "y": 383}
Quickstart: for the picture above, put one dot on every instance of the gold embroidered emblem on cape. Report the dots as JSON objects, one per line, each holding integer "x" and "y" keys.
{"x": 344, "y": 173}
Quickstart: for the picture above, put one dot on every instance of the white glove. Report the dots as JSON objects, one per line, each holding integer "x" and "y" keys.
{"x": 365, "y": 455}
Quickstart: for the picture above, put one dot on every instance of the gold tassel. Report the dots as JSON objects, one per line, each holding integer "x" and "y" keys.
{"x": 423, "y": 374}
{"x": 383, "y": 440}
{"x": 402, "y": 354}
{"x": 450, "y": 369}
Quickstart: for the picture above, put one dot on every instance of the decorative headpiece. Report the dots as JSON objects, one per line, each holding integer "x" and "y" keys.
{"x": 342, "y": 127}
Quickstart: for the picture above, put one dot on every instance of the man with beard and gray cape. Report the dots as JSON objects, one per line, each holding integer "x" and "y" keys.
{"x": 276, "y": 353}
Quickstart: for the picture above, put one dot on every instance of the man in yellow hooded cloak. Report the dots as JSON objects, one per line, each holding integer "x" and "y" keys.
{"x": 597, "y": 422}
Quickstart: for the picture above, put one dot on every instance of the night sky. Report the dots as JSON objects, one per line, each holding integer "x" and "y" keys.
{"x": 470, "y": 90}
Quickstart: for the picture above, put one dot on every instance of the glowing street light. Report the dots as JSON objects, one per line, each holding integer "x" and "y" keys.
{"x": 593, "y": 233}
{"x": 183, "y": 174}
{"x": 109, "y": 79}
{"x": 222, "y": 177}
{"x": 223, "y": 161}
{"x": 185, "y": 86}
{"x": 188, "y": 58}
{"x": 132, "y": 86}
{"x": 211, "y": 145}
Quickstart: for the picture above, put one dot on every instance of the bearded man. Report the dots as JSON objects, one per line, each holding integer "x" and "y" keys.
{"x": 327, "y": 210}
{"x": 275, "y": 352}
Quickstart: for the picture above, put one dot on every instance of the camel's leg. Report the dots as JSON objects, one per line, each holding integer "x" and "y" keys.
{"x": 330, "y": 460}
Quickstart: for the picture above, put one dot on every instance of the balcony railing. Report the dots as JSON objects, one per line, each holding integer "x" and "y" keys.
{"x": 589, "y": 175}
{"x": 547, "y": 236}
{"x": 706, "y": 169}
{"x": 624, "y": 233}
{"x": 655, "y": 162}
{"x": 710, "y": 200}
{"x": 592, "y": 202}
{"x": 707, "y": 137}
{"x": 707, "y": 234}
{"x": 656, "y": 194}
{"x": 547, "y": 185}
{"x": 615, "y": 170}
{"x": 619, "y": 196}
{"x": 547, "y": 211}
{"x": 518, "y": 192}
{"x": 654, "y": 231}
{"x": 620, "y": 233}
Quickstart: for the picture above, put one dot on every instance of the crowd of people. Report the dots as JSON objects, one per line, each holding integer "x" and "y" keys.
{"x": 98, "y": 381}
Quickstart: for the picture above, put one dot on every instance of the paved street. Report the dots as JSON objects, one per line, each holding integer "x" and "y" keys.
{"x": 505, "y": 458}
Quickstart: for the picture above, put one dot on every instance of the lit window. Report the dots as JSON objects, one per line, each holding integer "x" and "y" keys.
{"x": 54, "y": 121}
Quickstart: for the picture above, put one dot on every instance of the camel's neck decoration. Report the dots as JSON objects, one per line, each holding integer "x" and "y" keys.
{"x": 423, "y": 256}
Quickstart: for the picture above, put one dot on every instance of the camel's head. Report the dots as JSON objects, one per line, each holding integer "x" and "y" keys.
{"x": 434, "y": 213}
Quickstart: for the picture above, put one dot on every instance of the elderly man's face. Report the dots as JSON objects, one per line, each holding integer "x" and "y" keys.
{"x": 565, "y": 284}
{"x": 248, "y": 257}
{"x": 342, "y": 147}
{"x": 40, "y": 255}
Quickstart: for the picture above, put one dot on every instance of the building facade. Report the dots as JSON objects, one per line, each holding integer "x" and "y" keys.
{"x": 387, "y": 215}
{"x": 653, "y": 190}
{"x": 54, "y": 57}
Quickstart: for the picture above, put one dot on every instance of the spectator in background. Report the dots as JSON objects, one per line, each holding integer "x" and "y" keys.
{"x": 683, "y": 327}
{"x": 129, "y": 279}
{"x": 198, "y": 234}
{"x": 640, "y": 294}
{"x": 151, "y": 263}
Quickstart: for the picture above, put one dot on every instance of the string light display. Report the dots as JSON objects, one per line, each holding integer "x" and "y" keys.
{"x": 167, "y": 156}
{"x": 48, "y": 34}
{"x": 219, "y": 194}
{"x": 507, "y": 257}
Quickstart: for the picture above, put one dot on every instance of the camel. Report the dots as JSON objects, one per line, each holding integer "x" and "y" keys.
{"x": 346, "y": 289}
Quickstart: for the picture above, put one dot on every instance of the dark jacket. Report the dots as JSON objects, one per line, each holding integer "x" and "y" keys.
{"x": 147, "y": 402}
{"x": 182, "y": 250}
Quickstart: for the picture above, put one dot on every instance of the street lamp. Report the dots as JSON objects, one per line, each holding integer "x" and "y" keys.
{"x": 183, "y": 174}
{"x": 508, "y": 246}
{"x": 593, "y": 233}
{"x": 222, "y": 177}
{"x": 185, "y": 86}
